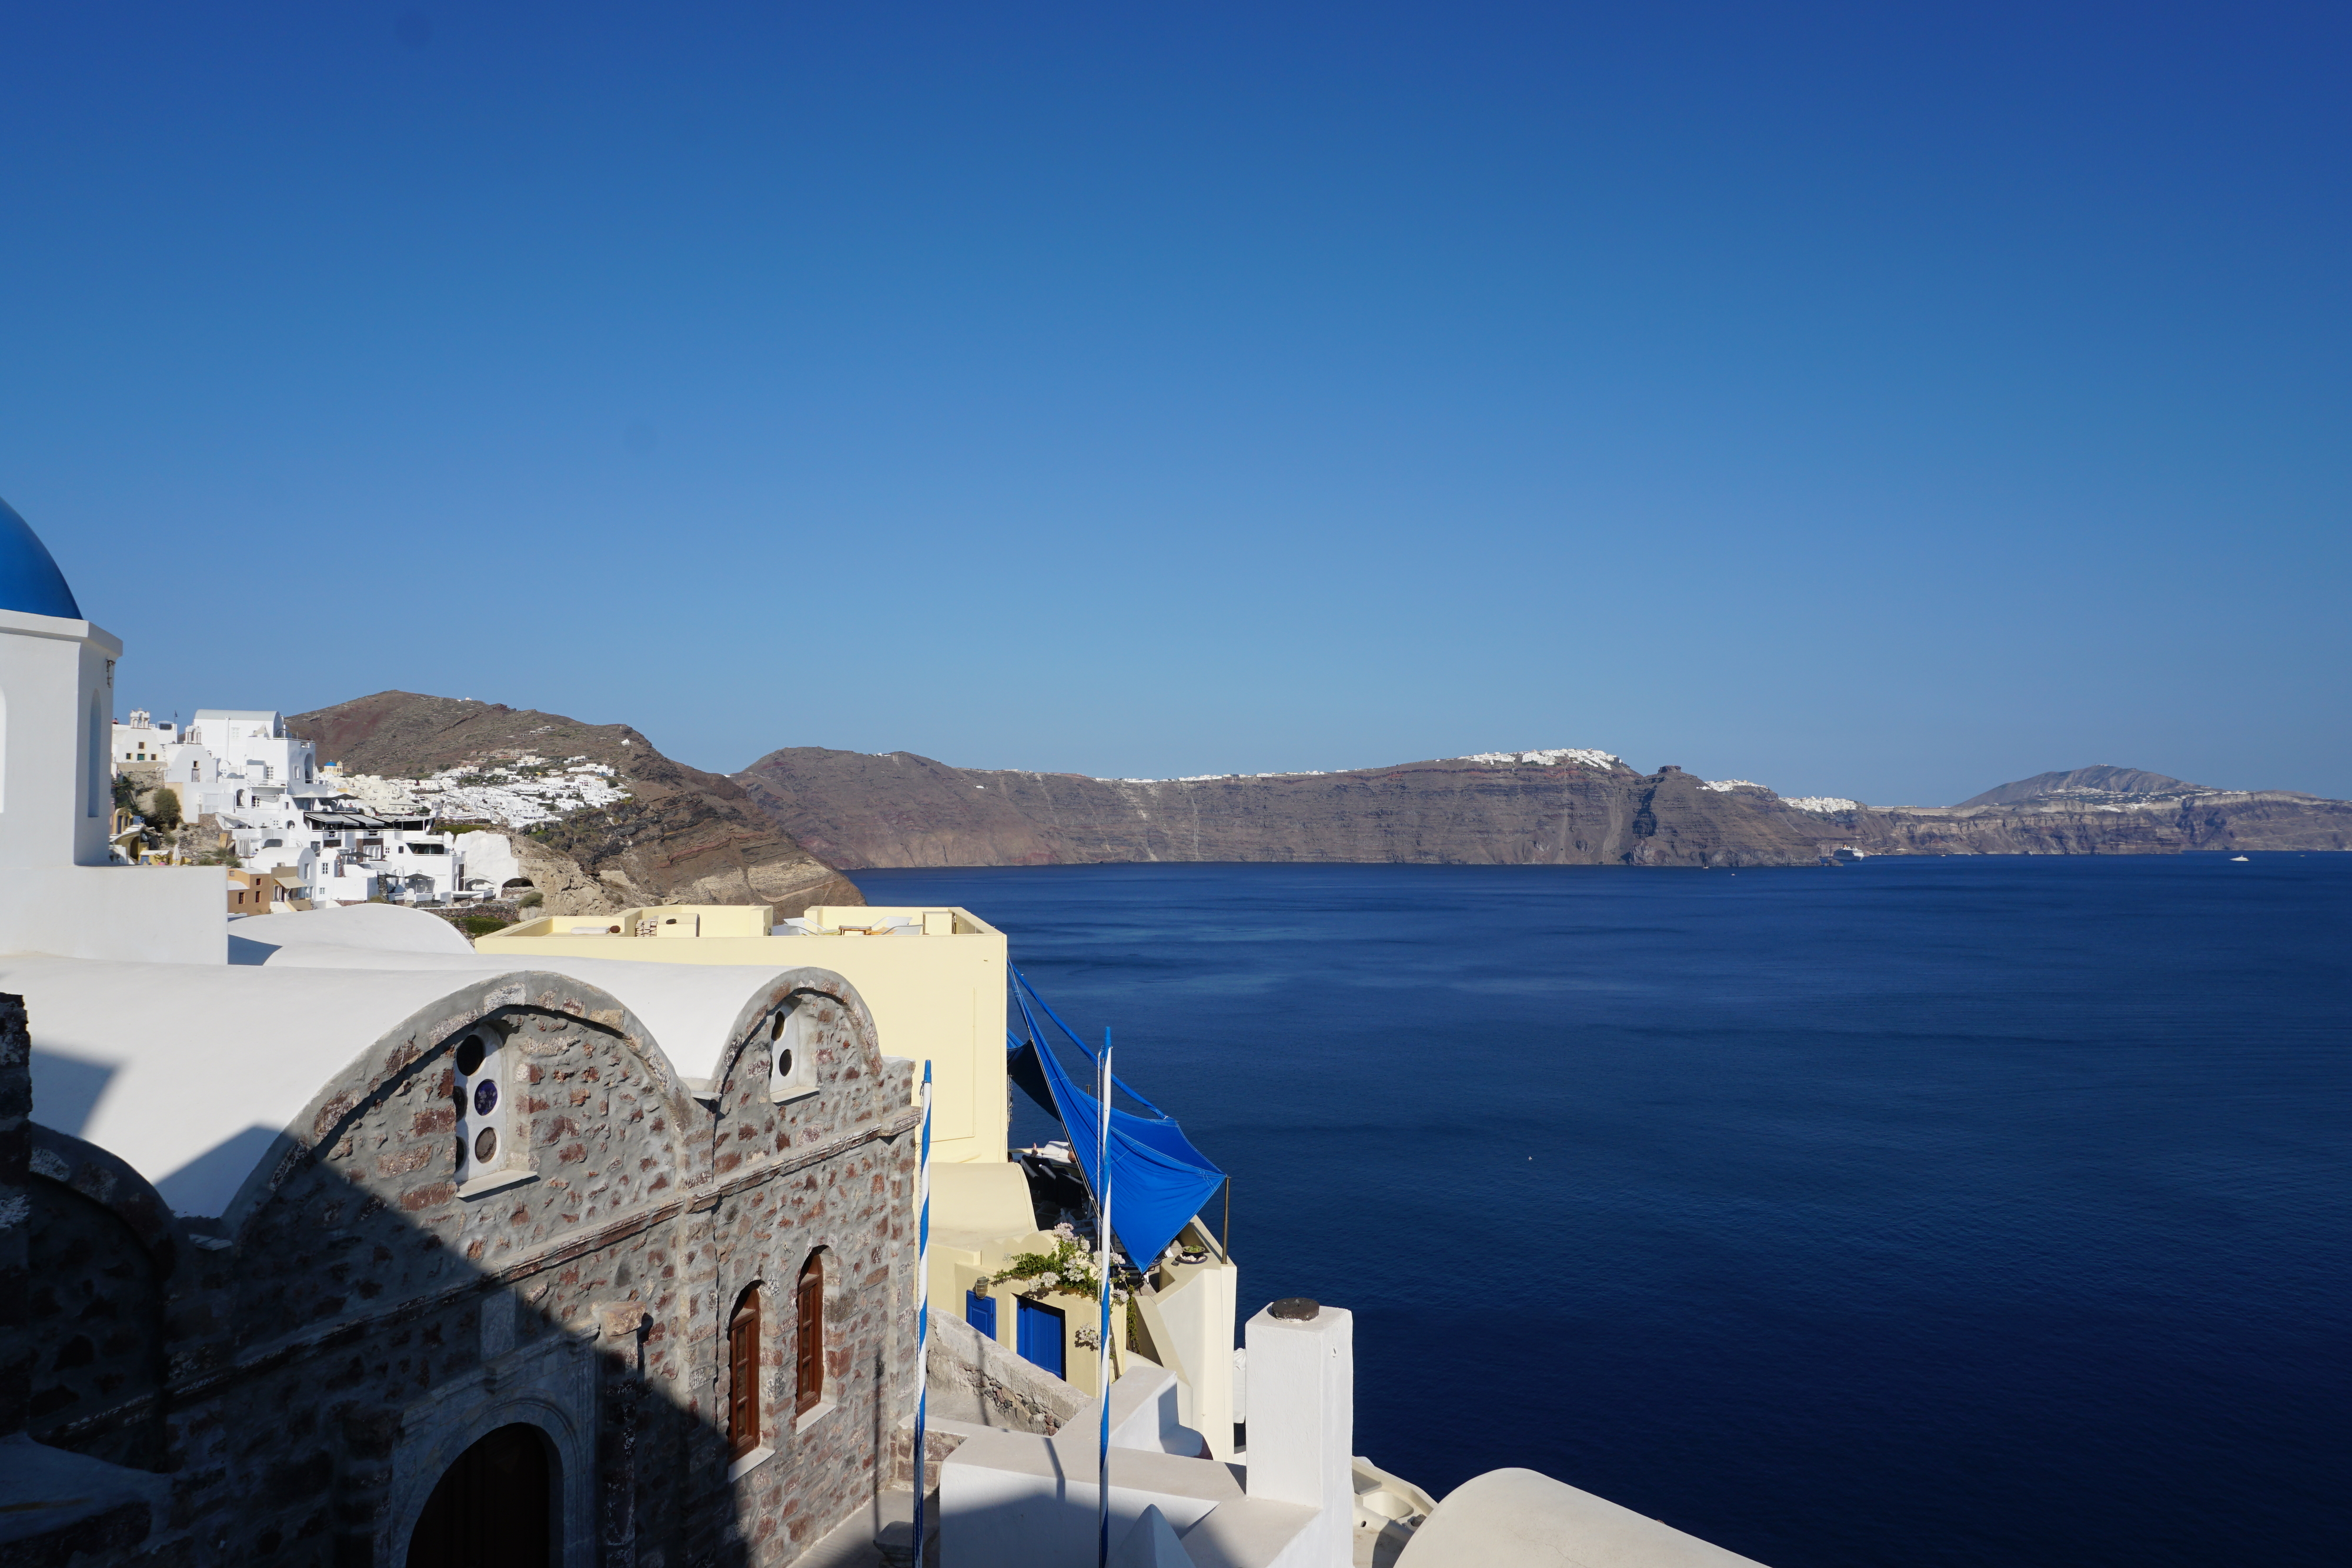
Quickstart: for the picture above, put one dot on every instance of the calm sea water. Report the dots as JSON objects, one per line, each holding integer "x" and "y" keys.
{"x": 1922, "y": 1211}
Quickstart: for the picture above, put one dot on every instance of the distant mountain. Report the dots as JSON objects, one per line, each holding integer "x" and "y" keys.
{"x": 684, "y": 836}
{"x": 2087, "y": 783}
{"x": 1525, "y": 808}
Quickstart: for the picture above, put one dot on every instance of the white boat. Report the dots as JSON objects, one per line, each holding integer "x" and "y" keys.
{"x": 2236, "y": 858}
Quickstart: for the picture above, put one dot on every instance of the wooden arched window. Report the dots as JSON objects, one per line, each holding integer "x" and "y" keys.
{"x": 743, "y": 1375}
{"x": 808, "y": 1391}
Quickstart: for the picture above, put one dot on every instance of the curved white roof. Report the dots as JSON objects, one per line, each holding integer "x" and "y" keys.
{"x": 1526, "y": 1519}
{"x": 189, "y": 1071}
{"x": 691, "y": 1009}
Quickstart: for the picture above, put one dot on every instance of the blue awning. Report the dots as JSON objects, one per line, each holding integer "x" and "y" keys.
{"x": 1159, "y": 1180}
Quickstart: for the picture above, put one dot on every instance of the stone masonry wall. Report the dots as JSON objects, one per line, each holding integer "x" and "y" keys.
{"x": 853, "y": 1213}
{"x": 95, "y": 1323}
{"x": 363, "y": 1322}
{"x": 19, "y": 1354}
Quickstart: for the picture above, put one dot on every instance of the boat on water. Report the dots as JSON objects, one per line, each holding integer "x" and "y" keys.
{"x": 2236, "y": 858}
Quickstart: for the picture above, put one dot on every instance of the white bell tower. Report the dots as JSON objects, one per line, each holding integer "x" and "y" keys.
{"x": 57, "y": 789}
{"x": 56, "y": 702}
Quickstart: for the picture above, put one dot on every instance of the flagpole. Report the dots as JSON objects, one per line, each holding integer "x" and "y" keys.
{"x": 1102, "y": 1297}
{"x": 922, "y": 1303}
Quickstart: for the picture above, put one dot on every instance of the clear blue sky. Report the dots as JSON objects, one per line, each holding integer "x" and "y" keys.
{"x": 1878, "y": 400}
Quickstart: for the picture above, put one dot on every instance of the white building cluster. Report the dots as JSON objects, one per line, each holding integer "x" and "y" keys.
{"x": 521, "y": 794}
{"x": 1557, "y": 757}
{"x": 324, "y": 844}
{"x": 1819, "y": 805}
{"x": 287, "y": 817}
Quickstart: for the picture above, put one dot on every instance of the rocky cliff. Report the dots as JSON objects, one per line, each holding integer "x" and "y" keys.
{"x": 683, "y": 836}
{"x": 1558, "y": 808}
{"x": 900, "y": 810}
{"x": 2105, "y": 809}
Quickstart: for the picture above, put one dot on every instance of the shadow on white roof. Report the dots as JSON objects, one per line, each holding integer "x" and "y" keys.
{"x": 388, "y": 927}
{"x": 189, "y": 1071}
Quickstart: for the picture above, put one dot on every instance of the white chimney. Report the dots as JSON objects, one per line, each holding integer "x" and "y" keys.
{"x": 1302, "y": 1417}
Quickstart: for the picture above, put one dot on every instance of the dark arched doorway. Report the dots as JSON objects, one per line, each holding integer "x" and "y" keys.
{"x": 491, "y": 1509}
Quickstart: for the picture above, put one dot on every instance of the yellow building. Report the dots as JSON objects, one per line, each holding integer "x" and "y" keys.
{"x": 935, "y": 981}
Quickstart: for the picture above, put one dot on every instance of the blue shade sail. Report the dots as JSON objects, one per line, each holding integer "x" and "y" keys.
{"x": 30, "y": 581}
{"x": 1159, "y": 1180}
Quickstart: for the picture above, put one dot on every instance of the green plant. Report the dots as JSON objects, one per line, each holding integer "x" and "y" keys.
{"x": 529, "y": 901}
{"x": 1068, "y": 1268}
{"x": 164, "y": 809}
{"x": 480, "y": 924}
{"x": 126, "y": 795}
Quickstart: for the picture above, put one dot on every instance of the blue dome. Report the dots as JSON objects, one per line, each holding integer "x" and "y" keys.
{"x": 30, "y": 579}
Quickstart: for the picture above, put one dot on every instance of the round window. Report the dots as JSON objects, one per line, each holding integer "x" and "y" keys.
{"x": 469, "y": 1055}
{"x": 784, "y": 1062}
{"x": 485, "y": 1097}
{"x": 485, "y": 1143}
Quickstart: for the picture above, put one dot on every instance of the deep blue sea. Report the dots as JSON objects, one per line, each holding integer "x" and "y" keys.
{"x": 1979, "y": 1211}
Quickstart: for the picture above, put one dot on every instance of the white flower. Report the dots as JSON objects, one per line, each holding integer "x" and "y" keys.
{"x": 1049, "y": 1279}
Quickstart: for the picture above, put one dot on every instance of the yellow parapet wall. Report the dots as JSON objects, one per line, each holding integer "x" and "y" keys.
{"x": 933, "y": 977}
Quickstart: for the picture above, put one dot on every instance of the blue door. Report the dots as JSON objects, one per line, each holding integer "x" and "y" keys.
{"x": 1041, "y": 1336}
{"x": 980, "y": 1312}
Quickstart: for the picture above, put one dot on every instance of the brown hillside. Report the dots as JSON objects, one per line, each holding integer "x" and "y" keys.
{"x": 684, "y": 837}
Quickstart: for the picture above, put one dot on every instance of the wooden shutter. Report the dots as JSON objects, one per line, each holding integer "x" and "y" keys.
{"x": 743, "y": 1377}
{"x": 810, "y": 1389}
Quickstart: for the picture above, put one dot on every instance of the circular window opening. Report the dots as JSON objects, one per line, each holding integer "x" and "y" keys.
{"x": 485, "y": 1097}
{"x": 776, "y": 1025}
{"x": 485, "y": 1145}
{"x": 469, "y": 1055}
{"x": 785, "y": 1062}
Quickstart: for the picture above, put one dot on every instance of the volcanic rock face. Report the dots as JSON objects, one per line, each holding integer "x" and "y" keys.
{"x": 684, "y": 836}
{"x": 900, "y": 810}
{"x": 1572, "y": 808}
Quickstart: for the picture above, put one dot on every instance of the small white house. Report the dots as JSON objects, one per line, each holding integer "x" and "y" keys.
{"x": 141, "y": 742}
